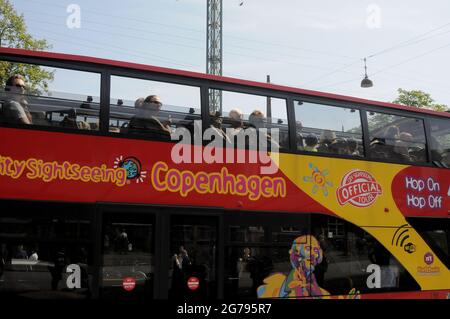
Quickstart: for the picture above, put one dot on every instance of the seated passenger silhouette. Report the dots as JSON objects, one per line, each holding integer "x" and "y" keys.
{"x": 326, "y": 139}
{"x": 311, "y": 142}
{"x": 381, "y": 146}
{"x": 353, "y": 147}
{"x": 339, "y": 146}
{"x": 300, "y": 139}
{"x": 15, "y": 109}
{"x": 216, "y": 124}
{"x": 401, "y": 147}
{"x": 147, "y": 122}
{"x": 70, "y": 121}
{"x": 236, "y": 121}
{"x": 258, "y": 121}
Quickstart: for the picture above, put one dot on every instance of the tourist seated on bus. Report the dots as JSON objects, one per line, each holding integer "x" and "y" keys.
{"x": 70, "y": 121}
{"x": 15, "y": 109}
{"x": 326, "y": 139}
{"x": 257, "y": 121}
{"x": 236, "y": 121}
{"x": 216, "y": 124}
{"x": 146, "y": 120}
{"x": 436, "y": 149}
{"x": 383, "y": 146}
{"x": 391, "y": 135}
{"x": 353, "y": 147}
{"x": 235, "y": 118}
{"x": 311, "y": 142}
{"x": 39, "y": 118}
{"x": 300, "y": 140}
{"x": 137, "y": 105}
{"x": 339, "y": 146}
{"x": 401, "y": 147}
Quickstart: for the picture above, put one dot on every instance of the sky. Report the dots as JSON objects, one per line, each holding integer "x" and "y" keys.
{"x": 317, "y": 45}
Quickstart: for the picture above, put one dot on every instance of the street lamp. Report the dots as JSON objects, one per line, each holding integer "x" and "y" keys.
{"x": 366, "y": 82}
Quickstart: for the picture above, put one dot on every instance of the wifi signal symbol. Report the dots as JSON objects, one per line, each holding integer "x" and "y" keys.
{"x": 400, "y": 239}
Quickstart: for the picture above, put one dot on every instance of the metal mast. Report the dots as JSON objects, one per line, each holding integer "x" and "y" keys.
{"x": 214, "y": 49}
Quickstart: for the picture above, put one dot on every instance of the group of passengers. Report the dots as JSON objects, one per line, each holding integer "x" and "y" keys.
{"x": 15, "y": 108}
{"x": 250, "y": 133}
{"x": 148, "y": 120}
{"x": 327, "y": 143}
{"x": 396, "y": 145}
{"x": 391, "y": 144}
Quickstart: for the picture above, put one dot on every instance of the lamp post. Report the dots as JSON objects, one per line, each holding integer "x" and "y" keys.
{"x": 366, "y": 82}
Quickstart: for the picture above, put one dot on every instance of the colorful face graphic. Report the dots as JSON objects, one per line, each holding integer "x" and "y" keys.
{"x": 305, "y": 253}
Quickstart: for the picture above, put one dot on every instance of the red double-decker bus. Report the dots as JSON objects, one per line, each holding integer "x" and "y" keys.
{"x": 124, "y": 181}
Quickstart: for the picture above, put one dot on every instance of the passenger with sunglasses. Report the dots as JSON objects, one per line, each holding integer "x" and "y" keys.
{"x": 147, "y": 119}
{"x": 14, "y": 109}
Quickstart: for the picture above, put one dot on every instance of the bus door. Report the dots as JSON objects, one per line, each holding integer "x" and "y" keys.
{"x": 193, "y": 257}
{"x": 127, "y": 255}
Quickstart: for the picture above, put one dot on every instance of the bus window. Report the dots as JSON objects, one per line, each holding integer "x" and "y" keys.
{"x": 46, "y": 251}
{"x": 349, "y": 256}
{"x": 192, "y": 255}
{"x": 258, "y": 249}
{"x": 328, "y": 129}
{"x": 127, "y": 252}
{"x": 440, "y": 141}
{"x": 436, "y": 233}
{"x": 243, "y": 119}
{"x": 397, "y": 138}
{"x": 47, "y": 96}
{"x": 151, "y": 108}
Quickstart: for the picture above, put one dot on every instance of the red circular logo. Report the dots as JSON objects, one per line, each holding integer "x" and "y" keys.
{"x": 193, "y": 283}
{"x": 128, "y": 283}
{"x": 358, "y": 188}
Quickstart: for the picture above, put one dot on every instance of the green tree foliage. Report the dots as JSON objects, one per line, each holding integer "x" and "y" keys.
{"x": 417, "y": 98}
{"x": 13, "y": 34}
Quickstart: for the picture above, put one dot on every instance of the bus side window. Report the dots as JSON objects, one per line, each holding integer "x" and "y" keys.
{"x": 58, "y": 97}
{"x": 440, "y": 141}
{"x": 328, "y": 129}
{"x": 153, "y": 109}
{"x": 397, "y": 138}
{"x": 245, "y": 119}
{"x": 353, "y": 259}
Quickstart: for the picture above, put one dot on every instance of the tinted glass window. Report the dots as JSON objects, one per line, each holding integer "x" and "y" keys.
{"x": 151, "y": 108}
{"x": 46, "y": 255}
{"x": 440, "y": 141}
{"x": 257, "y": 250}
{"x": 247, "y": 120}
{"x": 47, "y": 96}
{"x": 350, "y": 256}
{"x": 436, "y": 233}
{"x": 328, "y": 129}
{"x": 128, "y": 252}
{"x": 397, "y": 138}
{"x": 193, "y": 255}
